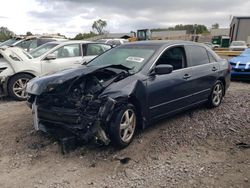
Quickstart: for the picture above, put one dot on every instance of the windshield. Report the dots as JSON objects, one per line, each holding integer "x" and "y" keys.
{"x": 42, "y": 49}
{"x": 132, "y": 57}
{"x": 9, "y": 42}
{"x": 238, "y": 43}
{"x": 246, "y": 53}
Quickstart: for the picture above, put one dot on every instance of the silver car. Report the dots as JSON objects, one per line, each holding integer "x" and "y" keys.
{"x": 238, "y": 46}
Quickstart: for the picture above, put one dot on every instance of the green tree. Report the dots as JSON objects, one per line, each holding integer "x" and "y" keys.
{"x": 191, "y": 29}
{"x": 215, "y": 26}
{"x": 81, "y": 36}
{"x": 5, "y": 34}
{"x": 200, "y": 29}
{"x": 29, "y": 33}
{"x": 99, "y": 26}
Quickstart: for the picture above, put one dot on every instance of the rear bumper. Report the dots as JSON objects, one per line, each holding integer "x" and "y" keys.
{"x": 227, "y": 80}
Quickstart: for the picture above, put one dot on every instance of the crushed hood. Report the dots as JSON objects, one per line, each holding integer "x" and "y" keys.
{"x": 20, "y": 53}
{"x": 39, "y": 85}
{"x": 11, "y": 52}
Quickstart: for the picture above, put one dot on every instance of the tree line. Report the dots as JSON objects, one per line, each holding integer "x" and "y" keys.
{"x": 98, "y": 28}
{"x": 190, "y": 28}
{"x": 5, "y": 34}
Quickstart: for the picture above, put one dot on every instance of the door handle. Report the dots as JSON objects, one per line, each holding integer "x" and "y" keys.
{"x": 187, "y": 76}
{"x": 214, "y": 69}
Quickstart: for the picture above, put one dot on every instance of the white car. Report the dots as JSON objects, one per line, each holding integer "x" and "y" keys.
{"x": 114, "y": 42}
{"x": 28, "y": 43}
{"x": 238, "y": 46}
{"x": 17, "y": 66}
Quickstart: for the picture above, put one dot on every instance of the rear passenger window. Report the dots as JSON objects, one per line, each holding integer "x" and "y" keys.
{"x": 71, "y": 50}
{"x": 174, "y": 56}
{"x": 197, "y": 55}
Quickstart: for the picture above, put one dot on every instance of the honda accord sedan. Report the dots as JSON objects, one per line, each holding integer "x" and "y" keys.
{"x": 127, "y": 88}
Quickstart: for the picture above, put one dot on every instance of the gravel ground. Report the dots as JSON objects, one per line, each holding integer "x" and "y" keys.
{"x": 197, "y": 148}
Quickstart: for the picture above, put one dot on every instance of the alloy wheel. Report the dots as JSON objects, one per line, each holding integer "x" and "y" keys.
{"x": 19, "y": 87}
{"x": 217, "y": 94}
{"x": 127, "y": 125}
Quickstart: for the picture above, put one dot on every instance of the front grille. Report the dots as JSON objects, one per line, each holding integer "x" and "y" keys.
{"x": 241, "y": 64}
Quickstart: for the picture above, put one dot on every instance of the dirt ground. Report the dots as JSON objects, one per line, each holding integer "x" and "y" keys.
{"x": 197, "y": 148}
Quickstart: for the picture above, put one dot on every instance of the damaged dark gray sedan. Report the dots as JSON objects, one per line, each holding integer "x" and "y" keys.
{"x": 128, "y": 87}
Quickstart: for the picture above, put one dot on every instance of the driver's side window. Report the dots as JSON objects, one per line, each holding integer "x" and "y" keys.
{"x": 72, "y": 50}
{"x": 174, "y": 56}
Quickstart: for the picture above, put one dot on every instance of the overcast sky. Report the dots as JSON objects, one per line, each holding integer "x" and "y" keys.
{"x": 70, "y": 17}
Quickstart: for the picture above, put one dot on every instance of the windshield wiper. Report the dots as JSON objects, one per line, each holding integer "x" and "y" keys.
{"x": 120, "y": 66}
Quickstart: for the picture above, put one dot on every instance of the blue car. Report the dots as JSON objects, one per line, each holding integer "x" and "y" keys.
{"x": 241, "y": 66}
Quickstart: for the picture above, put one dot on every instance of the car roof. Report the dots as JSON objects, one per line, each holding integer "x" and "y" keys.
{"x": 162, "y": 43}
{"x": 71, "y": 42}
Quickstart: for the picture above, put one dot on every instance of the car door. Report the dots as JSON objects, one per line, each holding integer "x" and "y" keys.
{"x": 91, "y": 50}
{"x": 67, "y": 56}
{"x": 170, "y": 92}
{"x": 204, "y": 71}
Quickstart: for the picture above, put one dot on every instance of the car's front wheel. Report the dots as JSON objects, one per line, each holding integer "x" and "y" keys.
{"x": 123, "y": 126}
{"x": 216, "y": 95}
{"x": 17, "y": 86}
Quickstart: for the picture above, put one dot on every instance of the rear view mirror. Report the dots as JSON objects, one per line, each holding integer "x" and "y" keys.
{"x": 163, "y": 69}
{"x": 50, "y": 57}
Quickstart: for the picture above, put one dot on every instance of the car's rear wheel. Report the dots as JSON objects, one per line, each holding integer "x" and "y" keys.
{"x": 216, "y": 95}
{"x": 17, "y": 86}
{"x": 123, "y": 126}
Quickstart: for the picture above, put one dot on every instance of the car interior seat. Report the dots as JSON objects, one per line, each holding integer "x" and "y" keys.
{"x": 65, "y": 53}
{"x": 76, "y": 52}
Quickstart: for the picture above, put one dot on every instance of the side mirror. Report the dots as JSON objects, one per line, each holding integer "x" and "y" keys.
{"x": 163, "y": 69}
{"x": 50, "y": 57}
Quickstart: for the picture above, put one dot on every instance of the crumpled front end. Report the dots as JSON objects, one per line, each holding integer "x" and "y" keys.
{"x": 87, "y": 122}
{"x": 75, "y": 107}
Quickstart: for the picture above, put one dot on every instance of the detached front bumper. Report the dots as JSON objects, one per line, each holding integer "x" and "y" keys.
{"x": 62, "y": 122}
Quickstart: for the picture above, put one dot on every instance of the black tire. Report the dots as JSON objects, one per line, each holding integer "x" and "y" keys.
{"x": 216, "y": 96}
{"x": 115, "y": 131}
{"x": 14, "y": 82}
